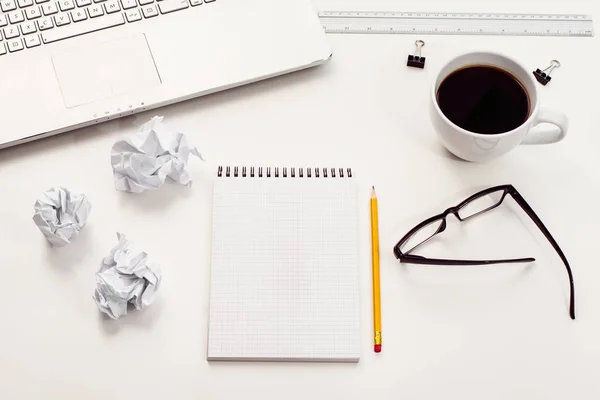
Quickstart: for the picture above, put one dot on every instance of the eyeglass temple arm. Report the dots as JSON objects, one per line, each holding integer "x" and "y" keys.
{"x": 415, "y": 259}
{"x": 527, "y": 208}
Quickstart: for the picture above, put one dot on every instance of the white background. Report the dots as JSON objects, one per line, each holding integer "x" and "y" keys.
{"x": 499, "y": 332}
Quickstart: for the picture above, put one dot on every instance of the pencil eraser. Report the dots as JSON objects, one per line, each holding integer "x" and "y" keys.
{"x": 377, "y": 348}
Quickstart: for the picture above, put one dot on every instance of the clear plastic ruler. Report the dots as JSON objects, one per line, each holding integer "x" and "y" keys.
{"x": 441, "y": 23}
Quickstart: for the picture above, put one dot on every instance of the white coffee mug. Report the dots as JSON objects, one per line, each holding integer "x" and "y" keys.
{"x": 473, "y": 146}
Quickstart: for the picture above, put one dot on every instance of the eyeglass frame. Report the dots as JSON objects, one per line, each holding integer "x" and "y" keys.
{"x": 405, "y": 257}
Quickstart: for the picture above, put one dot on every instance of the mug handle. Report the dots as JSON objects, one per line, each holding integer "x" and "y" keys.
{"x": 547, "y": 135}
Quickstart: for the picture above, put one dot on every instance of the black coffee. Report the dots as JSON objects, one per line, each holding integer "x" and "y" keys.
{"x": 484, "y": 99}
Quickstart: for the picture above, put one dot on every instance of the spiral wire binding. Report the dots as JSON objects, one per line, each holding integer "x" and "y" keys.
{"x": 283, "y": 172}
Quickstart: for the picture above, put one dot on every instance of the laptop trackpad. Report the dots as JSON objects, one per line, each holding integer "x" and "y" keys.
{"x": 105, "y": 69}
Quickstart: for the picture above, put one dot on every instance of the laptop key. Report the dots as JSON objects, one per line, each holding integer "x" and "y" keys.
{"x": 32, "y": 41}
{"x": 49, "y": 8}
{"x": 8, "y": 5}
{"x": 149, "y": 11}
{"x": 112, "y": 7}
{"x": 168, "y": 6}
{"x": 15, "y": 45}
{"x": 11, "y": 32}
{"x": 62, "y": 19}
{"x": 28, "y": 27}
{"x": 133, "y": 15}
{"x": 33, "y": 13}
{"x": 25, "y": 3}
{"x": 91, "y": 25}
{"x": 16, "y": 16}
{"x": 83, "y": 3}
{"x": 95, "y": 11}
{"x": 45, "y": 23}
{"x": 195, "y": 3}
{"x": 3, "y": 20}
{"x": 78, "y": 15}
{"x": 2, "y": 49}
{"x": 127, "y": 4}
{"x": 66, "y": 5}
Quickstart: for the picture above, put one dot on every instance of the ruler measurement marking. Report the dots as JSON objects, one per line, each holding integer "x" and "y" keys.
{"x": 438, "y": 18}
{"x": 367, "y": 14}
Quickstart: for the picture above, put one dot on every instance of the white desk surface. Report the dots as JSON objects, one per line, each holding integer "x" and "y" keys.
{"x": 499, "y": 332}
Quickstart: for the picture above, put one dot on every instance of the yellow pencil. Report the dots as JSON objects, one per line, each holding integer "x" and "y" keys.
{"x": 376, "y": 281}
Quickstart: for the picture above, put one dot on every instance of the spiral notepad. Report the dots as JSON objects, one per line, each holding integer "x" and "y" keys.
{"x": 284, "y": 269}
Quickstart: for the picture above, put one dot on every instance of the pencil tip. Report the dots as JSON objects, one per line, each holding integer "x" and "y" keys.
{"x": 373, "y": 193}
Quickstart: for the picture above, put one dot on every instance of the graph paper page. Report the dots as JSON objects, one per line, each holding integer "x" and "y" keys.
{"x": 284, "y": 272}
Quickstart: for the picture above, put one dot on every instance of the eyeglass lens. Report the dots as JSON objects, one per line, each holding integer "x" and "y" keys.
{"x": 421, "y": 236}
{"x": 471, "y": 209}
{"x": 481, "y": 204}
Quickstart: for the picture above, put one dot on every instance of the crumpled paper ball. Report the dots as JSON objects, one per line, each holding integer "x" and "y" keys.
{"x": 126, "y": 276}
{"x": 151, "y": 157}
{"x": 61, "y": 214}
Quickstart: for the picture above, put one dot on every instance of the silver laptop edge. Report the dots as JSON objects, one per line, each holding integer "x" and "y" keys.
{"x": 58, "y": 86}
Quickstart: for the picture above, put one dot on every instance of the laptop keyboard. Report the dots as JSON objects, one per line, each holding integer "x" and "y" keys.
{"x": 30, "y": 23}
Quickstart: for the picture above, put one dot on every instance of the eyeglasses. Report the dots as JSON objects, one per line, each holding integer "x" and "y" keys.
{"x": 478, "y": 204}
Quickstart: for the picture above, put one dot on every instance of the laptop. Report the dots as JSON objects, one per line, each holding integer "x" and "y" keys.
{"x": 67, "y": 64}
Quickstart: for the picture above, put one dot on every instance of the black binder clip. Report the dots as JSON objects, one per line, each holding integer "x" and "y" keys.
{"x": 416, "y": 60}
{"x": 544, "y": 77}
